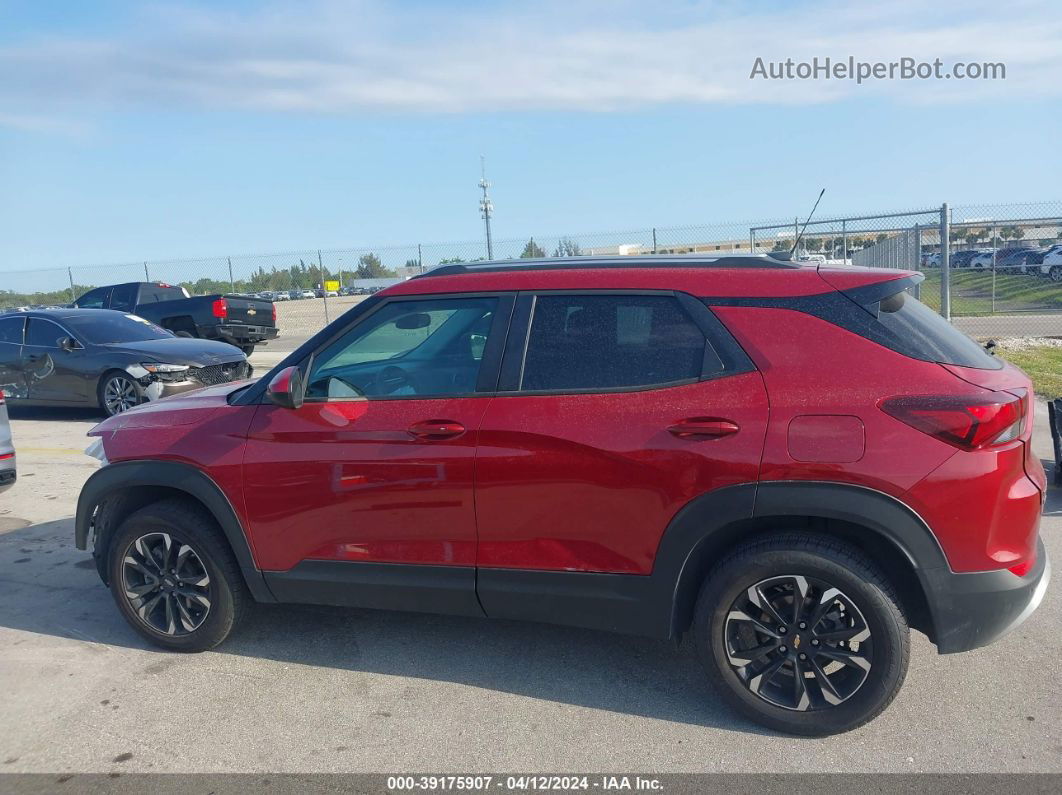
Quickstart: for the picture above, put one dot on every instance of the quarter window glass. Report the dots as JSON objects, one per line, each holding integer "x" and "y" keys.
{"x": 11, "y": 329}
{"x": 610, "y": 342}
{"x": 43, "y": 333}
{"x": 407, "y": 349}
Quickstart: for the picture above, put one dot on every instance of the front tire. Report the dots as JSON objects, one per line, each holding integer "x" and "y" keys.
{"x": 174, "y": 577}
{"x": 802, "y": 634}
{"x": 118, "y": 392}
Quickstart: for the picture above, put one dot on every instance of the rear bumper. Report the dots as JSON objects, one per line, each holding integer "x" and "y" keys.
{"x": 8, "y": 476}
{"x": 975, "y": 609}
{"x": 245, "y": 334}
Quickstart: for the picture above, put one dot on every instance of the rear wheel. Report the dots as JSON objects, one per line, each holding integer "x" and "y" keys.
{"x": 174, "y": 578}
{"x": 1055, "y": 273}
{"x": 802, "y": 634}
{"x": 118, "y": 392}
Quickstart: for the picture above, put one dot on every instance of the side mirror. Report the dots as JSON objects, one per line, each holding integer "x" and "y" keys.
{"x": 286, "y": 389}
{"x": 69, "y": 344}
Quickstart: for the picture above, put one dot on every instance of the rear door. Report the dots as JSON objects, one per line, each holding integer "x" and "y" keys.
{"x": 615, "y": 409}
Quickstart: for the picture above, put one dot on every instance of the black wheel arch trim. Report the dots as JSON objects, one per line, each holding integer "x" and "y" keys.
{"x": 114, "y": 479}
{"x": 717, "y": 520}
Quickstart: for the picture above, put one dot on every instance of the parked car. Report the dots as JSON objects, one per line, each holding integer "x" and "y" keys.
{"x": 984, "y": 259}
{"x": 931, "y": 259}
{"x": 624, "y": 444}
{"x": 8, "y": 464}
{"x": 308, "y": 294}
{"x": 1051, "y": 265}
{"x": 99, "y": 357}
{"x": 1017, "y": 260}
{"x": 239, "y": 321}
{"x": 962, "y": 258}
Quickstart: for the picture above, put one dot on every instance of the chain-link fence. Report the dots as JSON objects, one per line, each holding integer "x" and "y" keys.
{"x": 1001, "y": 273}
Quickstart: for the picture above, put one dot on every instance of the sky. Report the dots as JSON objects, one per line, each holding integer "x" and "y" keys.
{"x": 161, "y": 130}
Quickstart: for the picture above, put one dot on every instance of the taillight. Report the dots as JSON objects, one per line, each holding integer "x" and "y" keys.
{"x": 1, "y": 397}
{"x": 221, "y": 308}
{"x": 965, "y": 422}
{"x": 274, "y": 308}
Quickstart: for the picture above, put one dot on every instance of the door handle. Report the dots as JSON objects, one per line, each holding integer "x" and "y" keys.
{"x": 436, "y": 430}
{"x": 706, "y": 428}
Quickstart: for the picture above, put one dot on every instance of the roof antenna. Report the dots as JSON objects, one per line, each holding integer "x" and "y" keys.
{"x": 796, "y": 242}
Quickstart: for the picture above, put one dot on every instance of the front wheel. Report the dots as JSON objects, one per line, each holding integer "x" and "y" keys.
{"x": 174, "y": 577}
{"x": 802, "y": 634}
{"x": 1055, "y": 273}
{"x": 118, "y": 392}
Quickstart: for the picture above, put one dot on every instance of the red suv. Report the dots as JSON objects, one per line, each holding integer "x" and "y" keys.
{"x": 795, "y": 463}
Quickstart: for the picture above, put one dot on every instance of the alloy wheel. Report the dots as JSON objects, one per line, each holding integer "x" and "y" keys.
{"x": 119, "y": 394}
{"x": 798, "y": 642}
{"x": 1056, "y": 273}
{"x": 166, "y": 584}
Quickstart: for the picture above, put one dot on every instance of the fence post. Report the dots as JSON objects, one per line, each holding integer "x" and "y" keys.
{"x": 917, "y": 290}
{"x": 324, "y": 285}
{"x": 420, "y": 258}
{"x": 752, "y": 241}
{"x": 945, "y": 263}
{"x": 654, "y": 239}
{"x": 993, "y": 270}
{"x": 232, "y": 283}
{"x": 844, "y": 240}
{"x": 147, "y": 278}
{"x": 73, "y": 292}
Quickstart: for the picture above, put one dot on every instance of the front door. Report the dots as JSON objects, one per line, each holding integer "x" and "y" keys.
{"x": 50, "y": 372}
{"x": 12, "y": 382}
{"x": 363, "y": 495}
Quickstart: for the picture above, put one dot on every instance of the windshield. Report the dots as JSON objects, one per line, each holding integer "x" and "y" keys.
{"x": 109, "y": 328}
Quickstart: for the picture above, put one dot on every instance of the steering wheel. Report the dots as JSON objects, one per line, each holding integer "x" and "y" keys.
{"x": 392, "y": 378}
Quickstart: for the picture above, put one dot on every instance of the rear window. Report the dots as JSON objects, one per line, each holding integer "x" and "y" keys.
{"x": 908, "y": 326}
{"x": 888, "y": 314}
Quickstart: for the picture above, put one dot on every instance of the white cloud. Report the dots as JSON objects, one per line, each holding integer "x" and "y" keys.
{"x": 344, "y": 57}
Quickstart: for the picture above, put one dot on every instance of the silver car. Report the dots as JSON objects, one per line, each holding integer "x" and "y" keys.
{"x": 7, "y": 449}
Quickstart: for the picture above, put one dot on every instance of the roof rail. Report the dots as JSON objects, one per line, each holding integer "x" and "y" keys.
{"x": 771, "y": 260}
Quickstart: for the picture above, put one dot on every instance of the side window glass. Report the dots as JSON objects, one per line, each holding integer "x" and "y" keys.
{"x": 43, "y": 333}
{"x": 94, "y": 299}
{"x": 587, "y": 342}
{"x": 11, "y": 329}
{"x": 423, "y": 348}
{"x": 123, "y": 297}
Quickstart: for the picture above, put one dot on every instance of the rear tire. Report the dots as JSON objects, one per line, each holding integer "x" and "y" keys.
{"x": 1055, "y": 274}
{"x": 174, "y": 577}
{"x": 800, "y": 678}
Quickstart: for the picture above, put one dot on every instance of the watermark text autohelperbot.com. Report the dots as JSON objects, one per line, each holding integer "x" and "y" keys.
{"x": 865, "y": 71}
